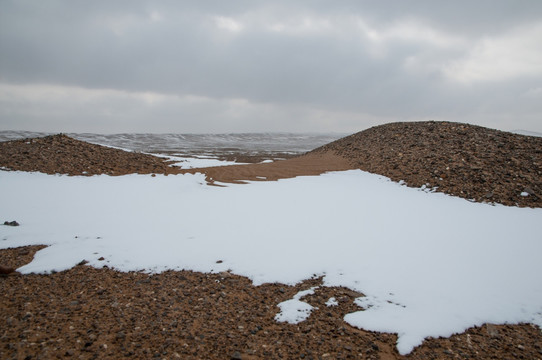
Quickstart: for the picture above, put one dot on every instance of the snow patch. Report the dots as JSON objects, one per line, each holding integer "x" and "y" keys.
{"x": 429, "y": 264}
{"x": 198, "y": 162}
{"x": 332, "y": 302}
{"x": 294, "y": 311}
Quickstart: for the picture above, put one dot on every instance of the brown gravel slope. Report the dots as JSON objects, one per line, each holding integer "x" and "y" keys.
{"x": 61, "y": 154}
{"x": 464, "y": 160}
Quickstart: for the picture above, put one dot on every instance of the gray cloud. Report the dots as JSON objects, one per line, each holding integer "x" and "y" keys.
{"x": 259, "y": 66}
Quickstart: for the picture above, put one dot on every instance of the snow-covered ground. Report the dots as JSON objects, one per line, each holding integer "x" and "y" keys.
{"x": 430, "y": 264}
{"x": 198, "y": 162}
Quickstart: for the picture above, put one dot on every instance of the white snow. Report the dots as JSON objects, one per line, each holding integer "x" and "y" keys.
{"x": 430, "y": 264}
{"x": 294, "y": 311}
{"x": 332, "y": 302}
{"x": 524, "y": 193}
{"x": 198, "y": 162}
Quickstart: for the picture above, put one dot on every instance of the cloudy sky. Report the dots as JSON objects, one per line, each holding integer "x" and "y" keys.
{"x": 252, "y": 66}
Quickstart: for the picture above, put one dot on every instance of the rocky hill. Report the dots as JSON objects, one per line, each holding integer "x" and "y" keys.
{"x": 464, "y": 160}
{"x": 61, "y": 154}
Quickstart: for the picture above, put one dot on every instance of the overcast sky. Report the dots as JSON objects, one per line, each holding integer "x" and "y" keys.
{"x": 253, "y": 66}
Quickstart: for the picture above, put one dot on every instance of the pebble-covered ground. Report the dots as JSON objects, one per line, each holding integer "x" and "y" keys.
{"x": 88, "y": 313}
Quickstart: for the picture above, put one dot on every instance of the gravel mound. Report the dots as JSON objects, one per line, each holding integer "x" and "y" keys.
{"x": 468, "y": 161}
{"x": 61, "y": 154}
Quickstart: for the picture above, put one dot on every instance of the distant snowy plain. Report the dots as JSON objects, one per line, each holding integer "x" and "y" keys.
{"x": 429, "y": 264}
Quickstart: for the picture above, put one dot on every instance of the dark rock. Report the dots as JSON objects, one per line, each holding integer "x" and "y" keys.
{"x": 11, "y": 223}
{"x": 236, "y": 356}
{"x": 6, "y": 270}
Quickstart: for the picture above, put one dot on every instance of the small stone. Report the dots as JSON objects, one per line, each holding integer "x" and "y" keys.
{"x": 492, "y": 330}
{"x": 236, "y": 356}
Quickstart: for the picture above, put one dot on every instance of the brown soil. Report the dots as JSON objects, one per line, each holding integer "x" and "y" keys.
{"x": 89, "y": 313}
{"x": 310, "y": 164}
{"x": 468, "y": 161}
